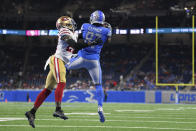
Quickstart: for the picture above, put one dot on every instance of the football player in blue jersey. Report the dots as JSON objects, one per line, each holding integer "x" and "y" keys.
{"x": 89, "y": 57}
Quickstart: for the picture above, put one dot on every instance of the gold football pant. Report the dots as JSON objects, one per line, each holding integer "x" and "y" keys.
{"x": 56, "y": 74}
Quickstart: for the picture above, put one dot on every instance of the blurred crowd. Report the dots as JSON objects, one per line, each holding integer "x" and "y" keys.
{"x": 34, "y": 14}
{"x": 174, "y": 66}
{"x": 22, "y": 64}
{"x": 23, "y": 68}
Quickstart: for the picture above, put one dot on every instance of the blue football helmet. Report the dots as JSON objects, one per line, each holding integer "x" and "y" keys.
{"x": 97, "y": 17}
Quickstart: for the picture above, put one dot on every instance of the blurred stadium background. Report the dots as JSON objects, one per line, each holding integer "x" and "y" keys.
{"x": 28, "y": 38}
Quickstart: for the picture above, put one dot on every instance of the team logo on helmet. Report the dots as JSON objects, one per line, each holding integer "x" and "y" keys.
{"x": 66, "y": 22}
{"x": 97, "y": 17}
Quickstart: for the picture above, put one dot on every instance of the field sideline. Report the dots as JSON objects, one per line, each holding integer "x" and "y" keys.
{"x": 83, "y": 117}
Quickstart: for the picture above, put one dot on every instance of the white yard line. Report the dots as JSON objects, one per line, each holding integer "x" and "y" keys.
{"x": 3, "y": 117}
{"x": 108, "y": 115}
{"x": 83, "y": 113}
{"x": 134, "y": 121}
{"x": 149, "y": 113}
{"x": 112, "y": 127}
{"x": 160, "y": 109}
{"x": 138, "y": 117}
{"x": 134, "y": 110}
{"x": 11, "y": 119}
{"x": 178, "y": 108}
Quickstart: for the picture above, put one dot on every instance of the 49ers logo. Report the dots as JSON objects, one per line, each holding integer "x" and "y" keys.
{"x": 64, "y": 19}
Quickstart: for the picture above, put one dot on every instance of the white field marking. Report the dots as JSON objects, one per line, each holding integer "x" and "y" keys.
{"x": 134, "y": 110}
{"x": 6, "y": 119}
{"x": 141, "y": 117}
{"x": 158, "y": 109}
{"x": 192, "y": 108}
{"x": 177, "y": 109}
{"x": 122, "y": 114}
{"x": 11, "y": 119}
{"x": 118, "y": 127}
{"x": 15, "y": 118}
{"x": 83, "y": 113}
{"x": 153, "y": 115}
{"x": 135, "y": 121}
{"x": 169, "y": 109}
{"x": 160, "y": 113}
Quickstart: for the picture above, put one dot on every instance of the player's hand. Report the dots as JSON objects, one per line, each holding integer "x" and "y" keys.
{"x": 65, "y": 34}
{"x": 107, "y": 25}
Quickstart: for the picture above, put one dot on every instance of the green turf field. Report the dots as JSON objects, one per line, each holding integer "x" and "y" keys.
{"x": 83, "y": 117}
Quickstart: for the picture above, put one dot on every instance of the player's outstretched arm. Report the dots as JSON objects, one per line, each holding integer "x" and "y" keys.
{"x": 107, "y": 25}
{"x": 78, "y": 46}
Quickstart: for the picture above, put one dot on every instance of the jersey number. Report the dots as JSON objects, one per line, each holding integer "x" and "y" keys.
{"x": 91, "y": 35}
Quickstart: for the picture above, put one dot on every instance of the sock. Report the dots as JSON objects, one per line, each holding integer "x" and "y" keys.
{"x": 33, "y": 111}
{"x": 58, "y": 108}
{"x": 59, "y": 92}
{"x": 100, "y": 95}
{"x": 41, "y": 97}
{"x": 100, "y": 108}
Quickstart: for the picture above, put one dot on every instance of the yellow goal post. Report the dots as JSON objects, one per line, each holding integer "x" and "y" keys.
{"x": 193, "y": 61}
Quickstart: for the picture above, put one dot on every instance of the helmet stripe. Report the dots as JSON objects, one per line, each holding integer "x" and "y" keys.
{"x": 100, "y": 16}
{"x": 97, "y": 15}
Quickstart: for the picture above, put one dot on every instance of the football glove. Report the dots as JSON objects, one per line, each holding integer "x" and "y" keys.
{"x": 107, "y": 25}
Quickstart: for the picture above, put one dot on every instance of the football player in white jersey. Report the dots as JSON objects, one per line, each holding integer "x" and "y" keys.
{"x": 67, "y": 44}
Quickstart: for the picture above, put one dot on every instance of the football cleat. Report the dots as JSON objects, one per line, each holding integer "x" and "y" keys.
{"x": 60, "y": 114}
{"x": 97, "y": 17}
{"x": 101, "y": 115}
{"x": 31, "y": 118}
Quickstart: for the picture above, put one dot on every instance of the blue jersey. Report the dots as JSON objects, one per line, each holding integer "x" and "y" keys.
{"x": 89, "y": 33}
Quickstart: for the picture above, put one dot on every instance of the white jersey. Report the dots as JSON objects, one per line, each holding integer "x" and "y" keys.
{"x": 63, "y": 50}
